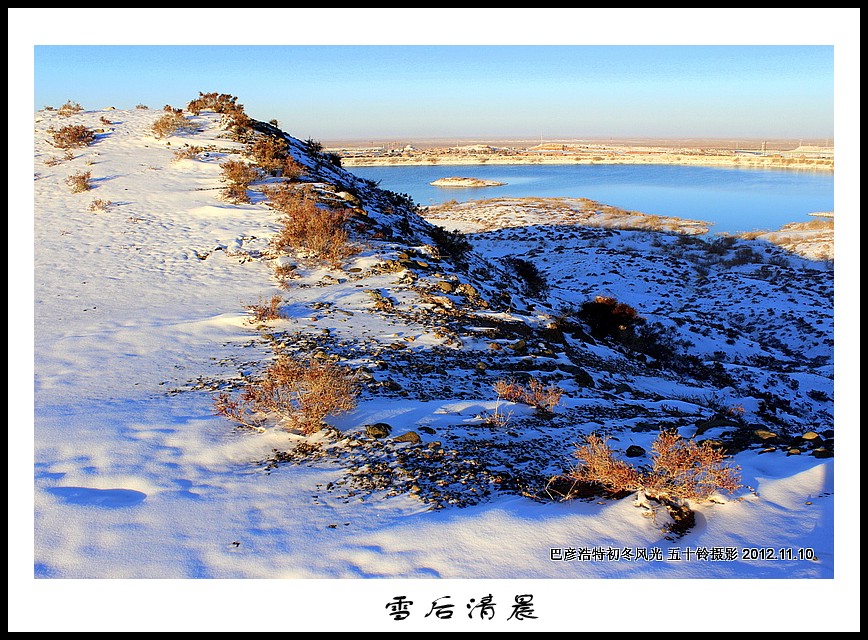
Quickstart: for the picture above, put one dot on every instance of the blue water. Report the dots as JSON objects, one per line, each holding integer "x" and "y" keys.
{"x": 733, "y": 200}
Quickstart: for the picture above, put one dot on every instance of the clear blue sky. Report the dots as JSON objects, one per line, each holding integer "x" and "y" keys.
{"x": 399, "y": 90}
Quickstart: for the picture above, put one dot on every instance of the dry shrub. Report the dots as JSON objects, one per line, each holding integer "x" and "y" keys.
{"x": 298, "y": 393}
{"x": 79, "y": 182}
{"x": 608, "y": 318}
{"x": 534, "y": 394}
{"x": 283, "y": 197}
{"x": 269, "y": 152}
{"x": 292, "y": 169}
{"x": 72, "y": 136}
{"x": 53, "y": 161}
{"x": 681, "y": 470}
{"x": 169, "y": 124}
{"x": 234, "y": 117}
{"x": 319, "y": 232}
{"x": 187, "y": 152}
{"x": 68, "y": 108}
{"x": 264, "y": 311}
{"x": 100, "y": 206}
{"x": 105, "y": 120}
{"x": 239, "y": 175}
{"x": 219, "y": 103}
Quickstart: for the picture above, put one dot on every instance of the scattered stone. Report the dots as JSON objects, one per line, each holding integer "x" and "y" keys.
{"x": 764, "y": 434}
{"x": 467, "y": 290}
{"x": 622, "y": 387}
{"x": 634, "y": 451}
{"x": 705, "y": 425}
{"x": 794, "y": 452}
{"x": 445, "y": 287}
{"x": 810, "y": 435}
{"x": 427, "y": 430}
{"x": 411, "y": 437}
{"x": 378, "y": 430}
{"x": 822, "y": 452}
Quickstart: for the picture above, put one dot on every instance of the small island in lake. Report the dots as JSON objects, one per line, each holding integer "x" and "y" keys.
{"x": 466, "y": 182}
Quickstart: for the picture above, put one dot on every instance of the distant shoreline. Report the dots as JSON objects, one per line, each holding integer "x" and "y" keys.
{"x": 748, "y": 154}
{"x": 730, "y": 160}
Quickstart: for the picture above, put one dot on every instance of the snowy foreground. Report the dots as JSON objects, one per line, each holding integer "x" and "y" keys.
{"x": 141, "y": 318}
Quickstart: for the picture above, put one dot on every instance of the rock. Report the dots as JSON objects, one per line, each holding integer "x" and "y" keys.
{"x": 411, "y": 437}
{"x": 634, "y": 451}
{"x": 519, "y": 345}
{"x": 457, "y": 181}
{"x": 427, "y": 430}
{"x": 467, "y": 290}
{"x": 822, "y": 452}
{"x": 583, "y": 378}
{"x": 622, "y": 387}
{"x": 446, "y": 287}
{"x": 705, "y": 425}
{"x": 794, "y": 452}
{"x": 764, "y": 434}
{"x": 378, "y": 430}
{"x": 810, "y": 435}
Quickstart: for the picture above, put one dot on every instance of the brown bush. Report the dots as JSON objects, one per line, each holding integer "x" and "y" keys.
{"x": 264, "y": 311}
{"x": 235, "y": 119}
{"x": 681, "y": 469}
{"x": 307, "y": 228}
{"x": 298, "y": 393}
{"x": 283, "y": 197}
{"x": 534, "y": 394}
{"x": 291, "y": 169}
{"x": 187, "y": 152}
{"x": 219, "y": 103}
{"x": 79, "y": 182}
{"x": 68, "y": 108}
{"x": 268, "y": 152}
{"x": 608, "y": 318}
{"x": 100, "y": 206}
{"x": 239, "y": 175}
{"x": 72, "y": 136}
{"x": 169, "y": 124}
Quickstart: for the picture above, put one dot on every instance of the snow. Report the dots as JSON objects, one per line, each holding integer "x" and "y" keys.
{"x": 138, "y": 488}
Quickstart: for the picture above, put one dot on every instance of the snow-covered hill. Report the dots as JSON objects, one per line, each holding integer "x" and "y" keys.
{"x": 145, "y": 288}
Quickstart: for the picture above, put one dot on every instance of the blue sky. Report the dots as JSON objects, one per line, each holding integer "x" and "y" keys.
{"x": 511, "y": 86}
{"x": 479, "y": 90}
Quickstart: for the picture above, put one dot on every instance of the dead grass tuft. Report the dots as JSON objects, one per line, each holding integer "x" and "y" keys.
{"x": 298, "y": 393}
